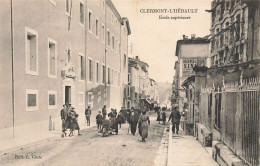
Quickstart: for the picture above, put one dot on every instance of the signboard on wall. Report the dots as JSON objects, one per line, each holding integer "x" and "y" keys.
{"x": 189, "y": 63}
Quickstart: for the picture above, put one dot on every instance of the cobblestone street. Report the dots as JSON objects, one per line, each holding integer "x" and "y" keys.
{"x": 92, "y": 149}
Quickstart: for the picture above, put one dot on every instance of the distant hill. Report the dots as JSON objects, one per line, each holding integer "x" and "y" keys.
{"x": 165, "y": 91}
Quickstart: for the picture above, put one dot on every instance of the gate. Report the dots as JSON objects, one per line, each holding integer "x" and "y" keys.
{"x": 240, "y": 119}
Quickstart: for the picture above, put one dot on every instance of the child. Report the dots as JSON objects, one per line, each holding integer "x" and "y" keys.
{"x": 163, "y": 117}
{"x": 159, "y": 116}
{"x": 120, "y": 118}
{"x": 99, "y": 119}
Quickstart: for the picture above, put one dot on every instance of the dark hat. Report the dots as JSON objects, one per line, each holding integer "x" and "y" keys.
{"x": 88, "y": 106}
{"x": 99, "y": 111}
{"x": 73, "y": 108}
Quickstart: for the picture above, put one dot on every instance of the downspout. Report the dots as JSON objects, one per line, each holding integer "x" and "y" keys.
{"x": 12, "y": 54}
{"x": 85, "y": 59}
{"x": 253, "y": 33}
{"x": 119, "y": 51}
{"x": 105, "y": 54}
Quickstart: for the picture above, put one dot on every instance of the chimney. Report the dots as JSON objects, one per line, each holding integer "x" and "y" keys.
{"x": 183, "y": 37}
{"x": 193, "y": 36}
{"x": 136, "y": 57}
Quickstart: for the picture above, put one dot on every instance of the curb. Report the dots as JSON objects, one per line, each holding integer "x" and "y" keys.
{"x": 35, "y": 143}
{"x": 170, "y": 151}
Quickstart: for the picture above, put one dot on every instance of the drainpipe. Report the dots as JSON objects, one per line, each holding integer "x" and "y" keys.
{"x": 253, "y": 33}
{"x": 105, "y": 53}
{"x": 85, "y": 59}
{"x": 121, "y": 83}
{"x": 12, "y": 54}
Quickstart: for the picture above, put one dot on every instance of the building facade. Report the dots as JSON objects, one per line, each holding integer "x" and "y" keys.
{"x": 190, "y": 52}
{"x": 142, "y": 90}
{"x": 228, "y": 91}
{"x": 70, "y": 53}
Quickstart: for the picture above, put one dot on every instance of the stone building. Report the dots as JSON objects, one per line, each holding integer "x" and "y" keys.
{"x": 142, "y": 90}
{"x": 55, "y": 52}
{"x": 190, "y": 52}
{"x": 228, "y": 91}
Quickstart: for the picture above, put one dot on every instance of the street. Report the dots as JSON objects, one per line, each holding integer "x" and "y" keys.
{"x": 92, "y": 149}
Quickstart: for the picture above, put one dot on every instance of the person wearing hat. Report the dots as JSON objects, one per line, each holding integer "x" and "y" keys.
{"x": 64, "y": 115}
{"x": 104, "y": 112}
{"x": 175, "y": 117}
{"x": 99, "y": 119}
{"x": 133, "y": 120}
{"x": 143, "y": 123}
{"x": 88, "y": 114}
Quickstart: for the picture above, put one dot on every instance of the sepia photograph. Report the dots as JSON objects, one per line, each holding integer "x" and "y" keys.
{"x": 130, "y": 82}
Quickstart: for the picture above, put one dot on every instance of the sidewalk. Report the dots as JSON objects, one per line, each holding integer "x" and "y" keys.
{"x": 185, "y": 150}
{"x": 14, "y": 144}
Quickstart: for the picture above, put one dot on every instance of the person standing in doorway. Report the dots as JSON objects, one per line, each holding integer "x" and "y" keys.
{"x": 175, "y": 117}
{"x": 104, "y": 112}
{"x": 88, "y": 114}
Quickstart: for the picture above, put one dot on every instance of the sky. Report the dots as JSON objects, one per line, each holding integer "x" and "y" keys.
{"x": 153, "y": 39}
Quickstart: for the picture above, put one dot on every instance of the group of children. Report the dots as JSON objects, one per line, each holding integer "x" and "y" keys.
{"x": 113, "y": 114}
{"x": 163, "y": 114}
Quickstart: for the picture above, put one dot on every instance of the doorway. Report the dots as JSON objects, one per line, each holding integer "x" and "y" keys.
{"x": 68, "y": 94}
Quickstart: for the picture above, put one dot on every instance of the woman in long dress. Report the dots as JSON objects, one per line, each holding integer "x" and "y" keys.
{"x": 143, "y": 123}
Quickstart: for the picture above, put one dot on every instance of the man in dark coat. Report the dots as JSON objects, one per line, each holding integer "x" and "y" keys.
{"x": 88, "y": 114}
{"x": 175, "y": 117}
{"x": 99, "y": 119}
{"x": 64, "y": 115}
{"x": 104, "y": 112}
{"x": 133, "y": 120}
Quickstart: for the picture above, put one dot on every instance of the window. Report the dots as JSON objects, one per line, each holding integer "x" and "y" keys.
{"x": 81, "y": 9}
{"x": 31, "y": 51}
{"x": 108, "y": 75}
{"x": 104, "y": 75}
{"x": 115, "y": 45}
{"x": 128, "y": 91}
{"x": 52, "y": 99}
{"x": 90, "y": 64}
{"x": 97, "y": 27}
{"x": 31, "y": 100}
{"x": 237, "y": 32}
{"x": 108, "y": 38}
{"x": 90, "y": 99}
{"x": 112, "y": 76}
{"x": 128, "y": 78}
{"x": 52, "y": 58}
{"x": 103, "y": 6}
{"x": 67, "y": 7}
{"x": 97, "y": 73}
{"x": 81, "y": 98}
{"x": 89, "y": 21}
{"x": 124, "y": 60}
{"x": 103, "y": 33}
{"x": 82, "y": 66}
{"x": 113, "y": 42}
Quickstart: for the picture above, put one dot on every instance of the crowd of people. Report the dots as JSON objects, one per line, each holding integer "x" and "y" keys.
{"x": 136, "y": 118}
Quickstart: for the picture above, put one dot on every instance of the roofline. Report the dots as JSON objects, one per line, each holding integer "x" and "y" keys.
{"x": 190, "y": 41}
{"x": 138, "y": 61}
{"x": 114, "y": 10}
